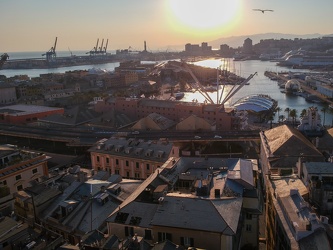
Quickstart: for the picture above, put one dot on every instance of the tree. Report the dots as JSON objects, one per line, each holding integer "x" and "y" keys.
{"x": 293, "y": 115}
{"x": 287, "y": 110}
{"x": 303, "y": 113}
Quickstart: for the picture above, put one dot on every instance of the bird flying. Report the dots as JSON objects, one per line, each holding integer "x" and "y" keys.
{"x": 263, "y": 11}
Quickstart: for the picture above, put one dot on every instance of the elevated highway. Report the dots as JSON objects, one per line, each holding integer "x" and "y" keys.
{"x": 86, "y": 138}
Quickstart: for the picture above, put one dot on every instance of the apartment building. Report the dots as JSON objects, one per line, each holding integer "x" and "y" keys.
{"x": 281, "y": 147}
{"x": 7, "y": 94}
{"x": 18, "y": 168}
{"x": 194, "y": 202}
{"x": 318, "y": 178}
{"x": 131, "y": 158}
{"x": 291, "y": 221}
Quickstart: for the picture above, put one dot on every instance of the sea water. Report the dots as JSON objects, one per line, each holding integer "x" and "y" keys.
{"x": 259, "y": 84}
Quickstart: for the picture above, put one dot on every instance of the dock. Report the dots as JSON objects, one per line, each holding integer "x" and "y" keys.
{"x": 282, "y": 78}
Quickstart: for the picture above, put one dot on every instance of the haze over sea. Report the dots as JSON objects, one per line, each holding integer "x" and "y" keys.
{"x": 259, "y": 84}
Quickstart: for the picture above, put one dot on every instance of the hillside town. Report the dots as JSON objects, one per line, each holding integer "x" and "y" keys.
{"x": 91, "y": 159}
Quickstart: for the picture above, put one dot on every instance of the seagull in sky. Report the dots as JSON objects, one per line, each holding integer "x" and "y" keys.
{"x": 263, "y": 11}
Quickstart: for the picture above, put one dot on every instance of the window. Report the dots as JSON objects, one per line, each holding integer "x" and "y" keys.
{"x": 97, "y": 158}
{"x": 248, "y": 227}
{"x": 127, "y": 174}
{"x": 117, "y": 162}
{"x": 164, "y": 236}
{"x": 137, "y": 175}
{"x": 187, "y": 241}
{"x": 248, "y": 216}
{"x": 34, "y": 171}
{"x": 19, "y": 187}
{"x": 137, "y": 164}
{"x": 148, "y": 235}
{"x": 127, "y": 163}
{"x": 107, "y": 160}
{"x": 18, "y": 177}
{"x": 148, "y": 166}
{"x": 129, "y": 231}
{"x": 4, "y": 182}
{"x": 116, "y": 171}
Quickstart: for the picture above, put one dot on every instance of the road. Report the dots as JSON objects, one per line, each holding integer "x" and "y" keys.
{"x": 77, "y": 137}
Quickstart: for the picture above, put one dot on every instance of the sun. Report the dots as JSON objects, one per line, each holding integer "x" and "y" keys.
{"x": 203, "y": 15}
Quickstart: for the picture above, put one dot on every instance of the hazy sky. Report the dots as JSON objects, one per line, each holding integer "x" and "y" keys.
{"x": 33, "y": 25}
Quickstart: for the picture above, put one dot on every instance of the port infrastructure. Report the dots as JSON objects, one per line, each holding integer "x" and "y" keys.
{"x": 197, "y": 86}
{"x": 99, "y": 50}
{"x": 51, "y": 55}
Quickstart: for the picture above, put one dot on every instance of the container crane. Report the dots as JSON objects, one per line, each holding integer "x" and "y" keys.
{"x": 106, "y": 45}
{"x": 101, "y": 48}
{"x": 94, "y": 49}
{"x": 51, "y": 54}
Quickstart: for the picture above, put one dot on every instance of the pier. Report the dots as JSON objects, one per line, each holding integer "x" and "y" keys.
{"x": 306, "y": 88}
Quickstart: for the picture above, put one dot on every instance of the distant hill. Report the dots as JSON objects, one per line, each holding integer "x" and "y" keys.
{"x": 237, "y": 41}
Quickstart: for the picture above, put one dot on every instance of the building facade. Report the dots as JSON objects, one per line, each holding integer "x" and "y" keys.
{"x": 224, "y": 118}
{"x": 132, "y": 158}
{"x": 17, "y": 169}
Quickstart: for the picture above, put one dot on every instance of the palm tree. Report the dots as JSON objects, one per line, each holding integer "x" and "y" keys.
{"x": 293, "y": 114}
{"x": 303, "y": 113}
{"x": 287, "y": 110}
{"x": 324, "y": 111}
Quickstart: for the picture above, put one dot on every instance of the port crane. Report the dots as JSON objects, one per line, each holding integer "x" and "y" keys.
{"x": 99, "y": 50}
{"x": 3, "y": 58}
{"x": 106, "y": 45}
{"x": 94, "y": 50}
{"x": 51, "y": 54}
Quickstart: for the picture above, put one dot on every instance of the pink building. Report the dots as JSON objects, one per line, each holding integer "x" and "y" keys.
{"x": 224, "y": 118}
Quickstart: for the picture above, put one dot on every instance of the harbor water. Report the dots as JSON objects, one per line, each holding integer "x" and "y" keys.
{"x": 259, "y": 84}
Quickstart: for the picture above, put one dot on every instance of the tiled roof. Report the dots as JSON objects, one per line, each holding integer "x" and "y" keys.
{"x": 286, "y": 144}
{"x": 192, "y": 213}
{"x": 135, "y": 148}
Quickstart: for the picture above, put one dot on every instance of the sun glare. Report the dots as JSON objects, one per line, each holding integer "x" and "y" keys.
{"x": 199, "y": 15}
